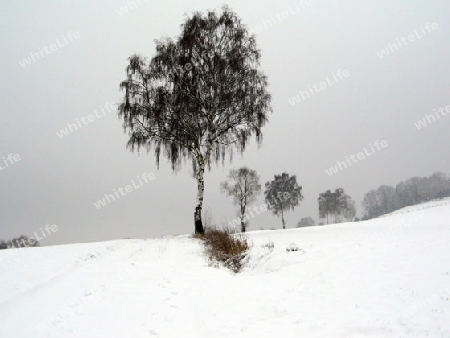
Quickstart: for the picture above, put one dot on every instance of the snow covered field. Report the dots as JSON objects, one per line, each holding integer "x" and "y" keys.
{"x": 388, "y": 277}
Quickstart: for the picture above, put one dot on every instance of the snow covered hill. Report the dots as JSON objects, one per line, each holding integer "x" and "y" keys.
{"x": 388, "y": 277}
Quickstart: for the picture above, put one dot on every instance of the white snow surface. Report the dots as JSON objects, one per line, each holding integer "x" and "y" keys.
{"x": 387, "y": 277}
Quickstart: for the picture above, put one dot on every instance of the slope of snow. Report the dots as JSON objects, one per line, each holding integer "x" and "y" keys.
{"x": 388, "y": 277}
{"x": 421, "y": 206}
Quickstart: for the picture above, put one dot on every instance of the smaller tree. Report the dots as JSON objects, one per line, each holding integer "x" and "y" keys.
{"x": 283, "y": 194}
{"x": 243, "y": 185}
{"x": 306, "y": 222}
{"x": 338, "y": 204}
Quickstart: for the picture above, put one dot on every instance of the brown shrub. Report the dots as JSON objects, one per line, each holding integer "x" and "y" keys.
{"x": 224, "y": 247}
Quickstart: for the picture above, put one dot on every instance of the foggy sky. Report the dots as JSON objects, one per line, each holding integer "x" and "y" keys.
{"x": 57, "y": 180}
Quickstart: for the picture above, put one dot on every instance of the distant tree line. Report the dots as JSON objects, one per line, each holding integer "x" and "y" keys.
{"x": 283, "y": 194}
{"x": 19, "y": 242}
{"x": 413, "y": 191}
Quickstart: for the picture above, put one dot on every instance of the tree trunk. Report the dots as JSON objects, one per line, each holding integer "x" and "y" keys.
{"x": 242, "y": 218}
{"x": 282, "y": 220}
{"x": 201, "y": 189}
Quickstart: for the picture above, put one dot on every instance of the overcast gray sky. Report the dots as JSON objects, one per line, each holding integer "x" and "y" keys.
{"x": 80, "y": 54}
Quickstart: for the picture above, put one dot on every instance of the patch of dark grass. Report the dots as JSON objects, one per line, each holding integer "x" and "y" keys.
{"x": 223, "y": 247}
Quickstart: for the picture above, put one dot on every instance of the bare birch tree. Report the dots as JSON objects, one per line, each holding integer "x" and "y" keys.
{"x": 201, "y": 97}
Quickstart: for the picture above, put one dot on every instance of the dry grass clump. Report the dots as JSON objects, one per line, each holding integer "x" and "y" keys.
{"x": 225, "y": 248}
